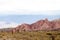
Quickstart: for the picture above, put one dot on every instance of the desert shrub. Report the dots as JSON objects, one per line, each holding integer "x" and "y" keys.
{"x": 33, "y": 35}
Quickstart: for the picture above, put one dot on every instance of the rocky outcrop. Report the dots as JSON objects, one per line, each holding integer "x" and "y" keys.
{"x": 39, "y": 25}
{"x": 45, "y": 25}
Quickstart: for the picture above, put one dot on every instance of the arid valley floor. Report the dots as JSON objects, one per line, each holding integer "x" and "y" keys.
{"x": 33, "y": 35}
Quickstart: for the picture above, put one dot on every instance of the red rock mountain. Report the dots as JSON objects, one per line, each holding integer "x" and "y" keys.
{"x": 39, "y": 25}
{"x": 45, "y": 25}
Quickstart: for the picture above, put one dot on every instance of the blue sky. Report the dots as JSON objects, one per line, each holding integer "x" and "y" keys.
{"x": 27, "y": 18}
{"x": 28, "y": 11}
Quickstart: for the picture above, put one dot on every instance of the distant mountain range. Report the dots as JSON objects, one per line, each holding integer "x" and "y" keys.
{"x": 44, "y": 25}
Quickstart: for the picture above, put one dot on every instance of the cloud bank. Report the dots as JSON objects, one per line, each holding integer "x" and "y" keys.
{"x": 4, "y": 24}
{"x": 29, "y": 6}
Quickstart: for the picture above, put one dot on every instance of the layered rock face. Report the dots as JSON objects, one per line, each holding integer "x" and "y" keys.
{"x": 39, "y": 25}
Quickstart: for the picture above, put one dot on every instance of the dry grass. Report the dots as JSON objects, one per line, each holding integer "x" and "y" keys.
{"x": 38, "y": 35}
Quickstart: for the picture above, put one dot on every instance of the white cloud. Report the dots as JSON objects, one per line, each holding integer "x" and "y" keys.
{"x": 4, "y": 24}
{"x": 26, "y": 6}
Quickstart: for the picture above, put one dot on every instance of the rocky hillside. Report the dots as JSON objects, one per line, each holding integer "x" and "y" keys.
{"x": 39, "y": 25}
{"x": 44, "y": 25}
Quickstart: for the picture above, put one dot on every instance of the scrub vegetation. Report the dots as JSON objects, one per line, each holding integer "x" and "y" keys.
{"x": 33, "y": 35}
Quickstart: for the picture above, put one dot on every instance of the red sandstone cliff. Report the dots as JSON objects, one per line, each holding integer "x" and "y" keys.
{"x": 39, "y": 25}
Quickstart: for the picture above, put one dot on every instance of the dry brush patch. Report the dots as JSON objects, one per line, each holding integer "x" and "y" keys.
{"x": 33, "y": 35}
